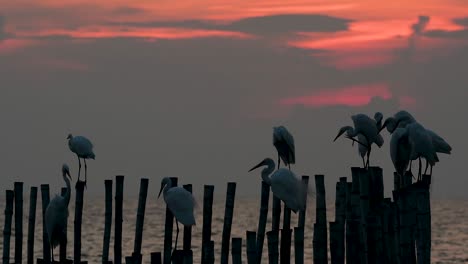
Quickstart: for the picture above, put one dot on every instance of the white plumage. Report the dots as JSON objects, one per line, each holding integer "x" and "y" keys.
{"x": 284, "y": 185}
{"x": 284, "y": 144}
{"x": 83, "y": 148}
{"x": 56, "y": 214}
{"x": 400, "y": 150}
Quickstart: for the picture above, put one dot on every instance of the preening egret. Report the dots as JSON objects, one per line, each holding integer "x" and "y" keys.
{"x": 284, "y": 144}
{"x": 83, "y": 148}
{"x": 365, "y": 126}
{"x": 180, "y": 202}
{"x": 378, "y": 117}
{"x": 284, "y": 185}
{"x": 421, "y": 146}
{"x": 56, "y": 214}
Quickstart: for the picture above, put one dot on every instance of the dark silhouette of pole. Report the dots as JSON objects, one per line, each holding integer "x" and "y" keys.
{"x": 18, "y": 222}
{"x": 78, "y": 220}
{"x": 228, "y": 215}
{"x": 119, "y": 187}
{"x": 107, "y": 221}
{"x": 10, "y": 195}
{"x": 45, "y": 239}
{"x": 31, "y": 223}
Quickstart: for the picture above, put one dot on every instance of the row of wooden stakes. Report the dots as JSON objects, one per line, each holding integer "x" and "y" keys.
{"x": 368, "y": 228}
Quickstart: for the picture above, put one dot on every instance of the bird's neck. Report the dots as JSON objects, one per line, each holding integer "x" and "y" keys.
{"x": 266, "y": 173}
{"x": 166, "y": 188}
{"x": 68, "y": 192}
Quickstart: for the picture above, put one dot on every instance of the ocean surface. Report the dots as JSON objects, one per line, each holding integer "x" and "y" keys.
{"x": 449, "y": 228}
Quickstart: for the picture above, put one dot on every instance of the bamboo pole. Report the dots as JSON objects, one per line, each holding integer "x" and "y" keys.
{"x": 396, "y": 229}
{"x": 207, "y": 218}
{"x": 275, "y": 213}
{"x": 334, "y": 234}
{"x": 285, "y": 247}
{"x": 63, "y": 243}
{"x": 353, "y": 219}
{"x": 10, "y": 195}
{"x": 119, "y": 188}
{"x": 374, "y": 236}
{"x": 78, "y": 220}
{"x": 265, "y": 198}
{"x": 18, "y": 187}
{"x": 187, "y": 243}
{"x": 168, "y": 228}
{"x": 376, "y": 189}
{"x": 45, "y": 239}
{"x": 299, "y": 245}
{"x": 187, "y": 256}
{"x": 236, "y": 250}
{"x": 209, "y": 252}
{"x": 340, "y": 217}
{"x": 364, "y": 186}
{"x": 140, "y": 215}
{"x": 424, "y": 221}
{"x": 405, "y": 245}
{"x": 273, "y": 253}
{"x": 251, "y": 247}
{"x": 156, "y": 258}
{"x": 387, "y": 232}
{"x": 228, "y": 215}
{"x": 31, "y": 223}
{"x": 320, "y": 226}
{"x": 107, "y": 221}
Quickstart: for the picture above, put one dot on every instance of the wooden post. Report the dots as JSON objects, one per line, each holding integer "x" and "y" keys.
{"x": 340, "y": 217}
{"x": 31, "y": 223}
{"x": 228, "y": 214}
{"x": 251, "y": 247}
{"x": 396, "y": 230}
{"x": 353, "y": 218}
{"x": 376, "y": 189}
{"x": 424, "y": 220}
{"x": 187, "y": 244}
{"x": 299, "y": 245}
{"x": 45, "y": 239}
{"x": 156, "y": 258}
{"x": 401, "y": 198}
{"x": 188, "y": 256}
{"x": 78, "y": 220}
{"x": 374, "y": 237}
{"x": 209, "y": 252}
{"x": 10, "y": 195}
{"x": 207, "y": 218}
{"x": 18, "y": 187}
{"x": 168, "y": 228}
{"x": 63, "y": 243}
{"x": 265, "y": 199}
{"x": 320, "y": 227}
{"x": 236, "y": 250}
{"x": 285, "y": 249}
{"x": 119, "y": 188}
{"x": 364, "y": 181}
{"x": 275, "y": 213}
{"x": 334, "y": 234}
{"x": 273, "y": 254}
{"x": 140, "y": 215}
{"x": 107, "y": 221}
{"x": 302, "y": 213}
{"x": 407, "y": 179}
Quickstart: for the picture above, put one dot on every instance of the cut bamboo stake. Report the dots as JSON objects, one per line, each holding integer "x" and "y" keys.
{"x": 18, "y": 187}
{"x": 119, "y": 188}
{"x": 364, "y": 181}
{"x": 340, "y": 217}
{"x": 273, "y": 253}
{"x": 299, "y": 245}
{"x": 10, "y": 195}
{"x": 31, "y": 223}
{"x": 334, "y": 234}
{"x": 187, "y": 244}
{"x": 156, "y": 258}
{"x": 251, "y": 247}
{"x": 265, "y": 198}
{"x": 275, "y": 213}
{"x": 302, "y": 213}
{"x": 140, "y": 216}
{"x": 63, "y": 243}
{"x": 236, "y": 250}
{"x": 207, "y": 218}
{"x": 107, "y": 221}
{"x": 228, "y": 215}
{"x": 424, "y": 220}
{"x": 168, "y": 228}
{"x": 78, "y": 220}
{"x": 45, "y": 239}
{"x": 353, "y": 219}
{"x": 285, "y": 249}
{"x": 320, "y": 227}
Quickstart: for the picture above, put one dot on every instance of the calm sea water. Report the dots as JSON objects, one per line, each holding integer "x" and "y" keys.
{"x": 449, "y": 228}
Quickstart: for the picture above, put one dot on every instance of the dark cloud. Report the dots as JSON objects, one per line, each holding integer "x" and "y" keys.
{"x": 126, "y": 10}
{"x": 461, "y": 21}
{"x": 455, "y": 34}
{"x": 421, "y": 25}
{"x": 3, "y": 34}
{"x": 266, "y": 25}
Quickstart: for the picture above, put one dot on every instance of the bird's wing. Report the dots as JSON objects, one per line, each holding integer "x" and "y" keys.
{"x": 286, "y": 186}
{"x": 81, "y": 146}
{"x": 440, "y": 144}
{"x": 367, "y": 126}
{"x": 362, "y": 148}
{"x": 55, "y": 219}
{"x": 181, "y": 204}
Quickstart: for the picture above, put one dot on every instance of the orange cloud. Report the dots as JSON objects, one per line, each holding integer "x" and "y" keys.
{"x": 357, "y": 95}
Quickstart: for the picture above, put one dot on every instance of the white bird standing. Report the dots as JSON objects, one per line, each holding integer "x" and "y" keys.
{"x": 284, "y": 185}
{"x": 400, "y": 150}
{"x": 180, "y": 202}
{"x": 365, "y": 126}
{"x": 83, "y": 148}
{"x": 284, "y": 144}
{"x": 56, "y": 214}
{"x": 421, "y": 146}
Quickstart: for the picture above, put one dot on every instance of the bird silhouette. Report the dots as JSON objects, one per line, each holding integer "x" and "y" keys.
{"x": 284, "y": 144}
{"x": 56, "y": 214}
{"x": 83, "y": 148}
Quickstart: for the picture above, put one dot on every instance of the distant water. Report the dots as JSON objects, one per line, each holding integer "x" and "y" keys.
{"x": 449, "y": 228}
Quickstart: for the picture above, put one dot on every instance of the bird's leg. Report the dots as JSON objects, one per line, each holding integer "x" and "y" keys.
{"x": 430, "y": 172}
{"x": 419, "y": 171}
{"x": 289, "y": 166}
{"x": 79, "y": 168}
{"x": 410, "y": 166}
{"x": 278, "y": 161}
{"x": 363, "y": 161}
{"x": 85, "y": 172}
{"x": 177, "y": 237}
{"x": 427, "y": 165}
{"x": 355, "y": 140}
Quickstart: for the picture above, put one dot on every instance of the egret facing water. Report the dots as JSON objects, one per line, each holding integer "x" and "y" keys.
{"x": 284, "y": 144}
{"x": 180, "y": 202}
{"x": 83, "y": 148}
{"x": 284, "y": 185}
{"x": 56, "y": 214}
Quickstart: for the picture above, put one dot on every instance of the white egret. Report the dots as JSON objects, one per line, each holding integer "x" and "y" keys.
{"x": 83, "y": 148}
{"x": 180, "y": 202}
{"x": 284, "y": 144}
{"x": 421, "y": 146}
{"x": 400, "y": 150}
{"x": 284, "y": 185}
{"x": 365, "y": 126}
{"x": 56, "y": 214}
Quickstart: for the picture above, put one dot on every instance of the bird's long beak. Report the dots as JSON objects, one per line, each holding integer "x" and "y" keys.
{"x": 160, "y": 191}
{"x": 258, "y": 165}
{"x": 339, "y": 134}
{"x": 384, "y": 125}
{"x": 69, "y": 175}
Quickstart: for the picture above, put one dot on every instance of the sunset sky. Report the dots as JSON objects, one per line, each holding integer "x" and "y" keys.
{"x": 193, "y": 88}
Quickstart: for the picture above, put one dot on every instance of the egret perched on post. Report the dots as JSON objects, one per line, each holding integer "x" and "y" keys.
{"x": 366, "y": 127}
{"x": 421, "y": 146}
{"x": 284, "y": 185}
{"x": 400, "y": 150}
{"x": 180, "y": 202}
{"x": 56, "y": 214}
{"x": 284, "y": 144}
{"x": 83, "y": 148}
